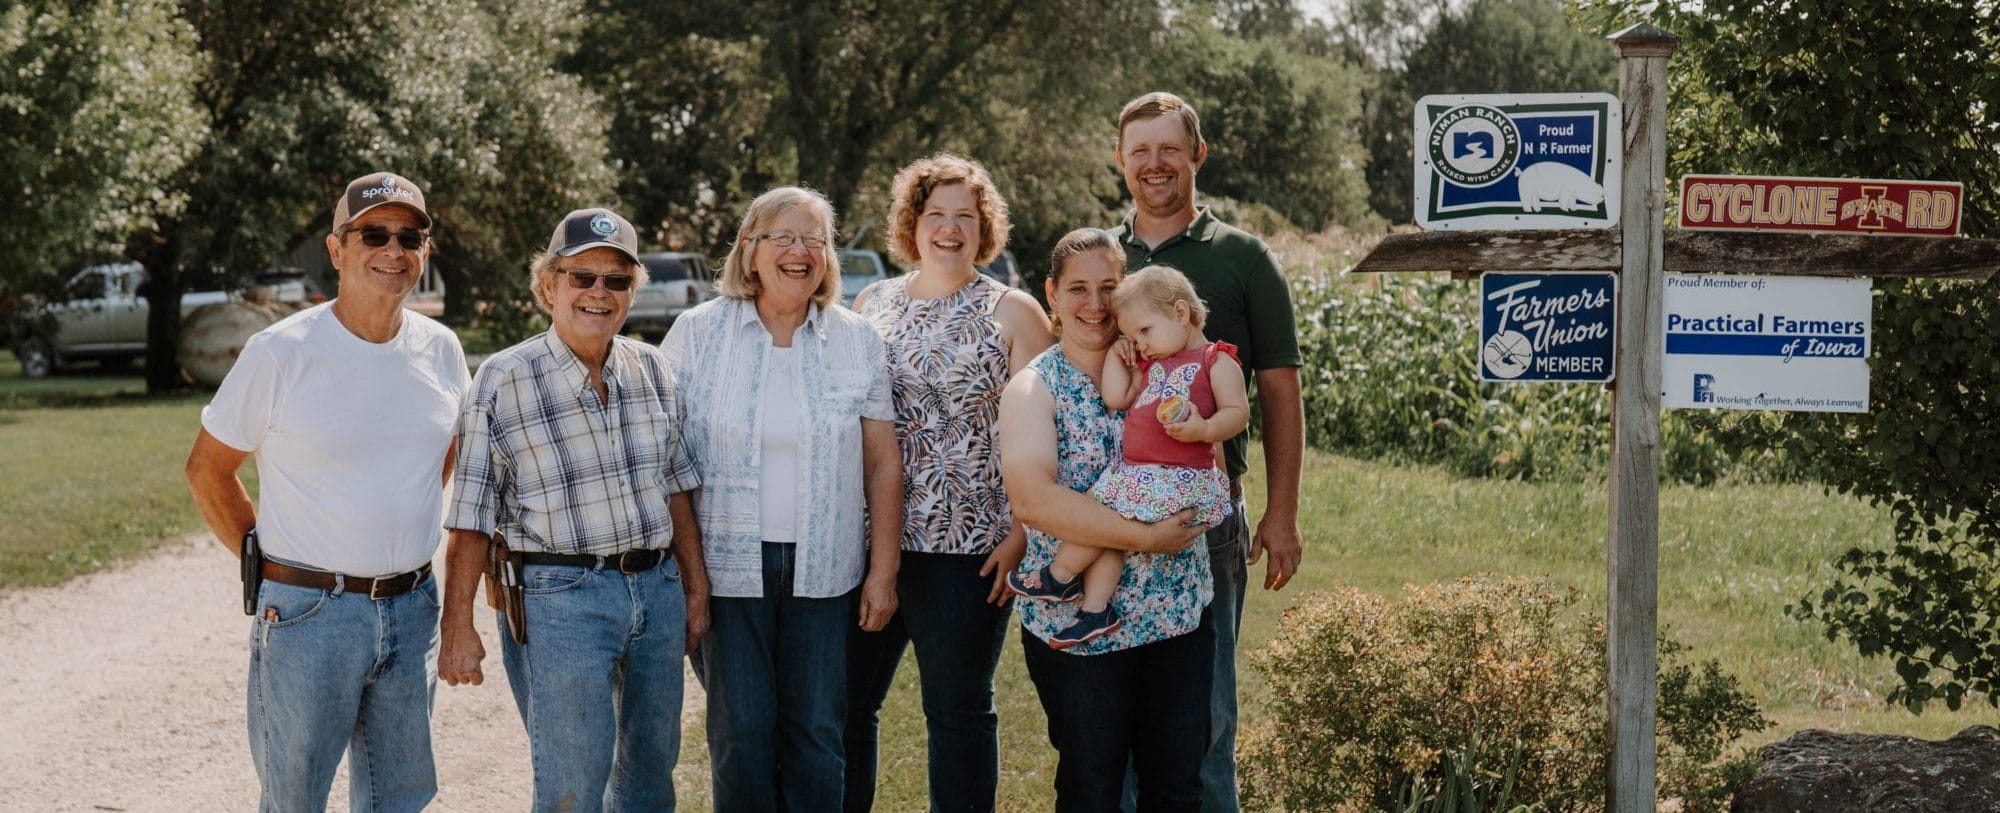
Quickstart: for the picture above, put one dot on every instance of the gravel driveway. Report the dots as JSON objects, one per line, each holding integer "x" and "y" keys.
{"x": 123, "y": 690}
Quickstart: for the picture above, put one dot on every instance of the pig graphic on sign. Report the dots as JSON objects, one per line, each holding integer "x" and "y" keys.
{"x": 1553, "y": 183}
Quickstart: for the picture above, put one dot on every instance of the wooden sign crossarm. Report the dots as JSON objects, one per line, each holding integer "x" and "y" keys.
{"x": 1470, "y": 253}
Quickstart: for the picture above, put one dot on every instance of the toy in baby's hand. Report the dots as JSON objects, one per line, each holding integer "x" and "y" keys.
{"x": 1174, "y": 408}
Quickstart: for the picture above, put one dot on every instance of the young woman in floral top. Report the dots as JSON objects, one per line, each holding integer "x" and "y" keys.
{"x": 1138, "y": 695}
{"x": 954, "y": 338}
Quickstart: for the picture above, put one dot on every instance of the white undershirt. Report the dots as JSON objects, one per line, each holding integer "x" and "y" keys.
{"x": 778, "y": 474}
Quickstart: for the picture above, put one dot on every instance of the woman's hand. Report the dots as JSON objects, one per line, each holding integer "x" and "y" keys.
{"x": 1002, "y": 561}
{"x": 1172, "y": 535}
{"x": 878, "y": 600}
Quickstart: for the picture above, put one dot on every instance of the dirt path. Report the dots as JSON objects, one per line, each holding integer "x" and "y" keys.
{"x": 124, "y": 691}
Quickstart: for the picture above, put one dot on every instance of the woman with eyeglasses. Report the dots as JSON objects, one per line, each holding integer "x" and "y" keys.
{"x": 954, "y": 337}
{"x": 788, "y": 421}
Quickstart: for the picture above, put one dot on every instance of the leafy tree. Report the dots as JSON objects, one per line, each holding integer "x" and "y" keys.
{"x": 688, "y": 100}
{"x": 99, "y": 105}
{"x": 1281, "y": 122}
{"x": 302, "y": 96}
{"x": 1891, "y": 89}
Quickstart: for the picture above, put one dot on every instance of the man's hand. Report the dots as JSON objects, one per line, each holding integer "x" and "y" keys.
{"x": 1279, "y": 535}
{"x": 697, "y": 614}
{"x": 459, "y": 654}
{"x": 878, "y": 600}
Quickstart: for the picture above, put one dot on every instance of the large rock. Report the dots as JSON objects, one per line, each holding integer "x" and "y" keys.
{"x": 1824, "y": 772}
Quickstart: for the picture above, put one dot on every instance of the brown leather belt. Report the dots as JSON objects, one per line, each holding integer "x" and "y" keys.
{"x": 377, "y": 589}
{"x": 631, "y": 561}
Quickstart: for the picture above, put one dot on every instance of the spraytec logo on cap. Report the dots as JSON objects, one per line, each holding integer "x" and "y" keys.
{"x": 388, "y": 189}
{"x": 603, "y": 226}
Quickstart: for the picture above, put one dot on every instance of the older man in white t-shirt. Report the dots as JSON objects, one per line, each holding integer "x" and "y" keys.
{"x": 350, "y": 408}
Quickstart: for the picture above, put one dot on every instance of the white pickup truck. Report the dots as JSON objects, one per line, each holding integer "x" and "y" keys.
{"x": 103, "y": 317}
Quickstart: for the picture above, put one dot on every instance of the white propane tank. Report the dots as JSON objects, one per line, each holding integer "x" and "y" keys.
{"x": 213, "y": 335}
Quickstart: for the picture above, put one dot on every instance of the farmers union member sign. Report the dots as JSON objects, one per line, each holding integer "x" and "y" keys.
{"x": 1547, "y": 327}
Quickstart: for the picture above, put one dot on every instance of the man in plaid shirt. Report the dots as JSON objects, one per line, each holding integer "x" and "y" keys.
{"x": 570, "y": 456}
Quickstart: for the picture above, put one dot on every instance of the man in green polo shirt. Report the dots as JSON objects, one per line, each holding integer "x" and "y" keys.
{"x": 1159, "y": 150}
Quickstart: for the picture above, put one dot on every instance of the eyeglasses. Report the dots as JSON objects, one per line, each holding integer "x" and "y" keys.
{"x": 785, "y": 239}
{"x": 585, "y": 280}
{"x": 378, "y": 236}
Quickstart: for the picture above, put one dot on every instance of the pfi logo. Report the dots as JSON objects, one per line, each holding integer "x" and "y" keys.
{"x": 1704, "y": 388}
{"x": 603, "y": 225}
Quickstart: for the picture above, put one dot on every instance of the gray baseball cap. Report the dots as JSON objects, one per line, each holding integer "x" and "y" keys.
{"x": 585, "y": 229}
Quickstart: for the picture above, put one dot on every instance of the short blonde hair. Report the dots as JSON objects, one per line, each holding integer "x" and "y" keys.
{"x": 1159, "y": 287}
{"x": 912, "y": 190}
{"x": 1161, "y": 103}
{"x": 737, "y": 281}
{"x": 544, "y": 268}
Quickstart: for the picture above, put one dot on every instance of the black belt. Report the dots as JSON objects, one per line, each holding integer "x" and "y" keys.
{"x": 378, "y": 588}
{"x": 631, "y": 561}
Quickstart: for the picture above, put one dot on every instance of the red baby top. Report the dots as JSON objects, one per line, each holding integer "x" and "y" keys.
{"x": 1174, "y": 385}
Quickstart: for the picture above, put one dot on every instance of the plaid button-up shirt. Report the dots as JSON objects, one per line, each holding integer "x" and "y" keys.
{"x": 545, "y": 463}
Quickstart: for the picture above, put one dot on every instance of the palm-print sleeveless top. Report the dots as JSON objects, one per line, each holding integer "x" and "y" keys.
{"x": 947, "y": 367}
{"x": 1160, "y": 595}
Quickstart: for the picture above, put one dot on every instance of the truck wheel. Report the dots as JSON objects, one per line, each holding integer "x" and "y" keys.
{"x": 38, "y": 360}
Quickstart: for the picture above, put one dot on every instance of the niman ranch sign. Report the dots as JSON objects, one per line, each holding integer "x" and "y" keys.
{"x": 1518, "y": 161}
{"x": 1753, "y": 203}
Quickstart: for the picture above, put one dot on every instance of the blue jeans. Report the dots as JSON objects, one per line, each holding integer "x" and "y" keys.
{"x": 339, "y": 672}
{"x": 599, "y": 685}
{"x": 776, "y": 672}
{"x": 1225, "y": 560}
{"x": 942, "y": 611}
{"x": 1144, "y": 708}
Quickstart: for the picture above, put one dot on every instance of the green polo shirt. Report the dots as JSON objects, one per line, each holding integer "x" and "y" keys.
{"x": 1249, "y": 303}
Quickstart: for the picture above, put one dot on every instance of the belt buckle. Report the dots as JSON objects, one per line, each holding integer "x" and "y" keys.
{"x": 375, "y": 587}
{"x": 625, "y": 563}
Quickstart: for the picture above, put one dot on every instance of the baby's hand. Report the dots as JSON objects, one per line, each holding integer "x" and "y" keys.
{"x": 1122, "y": 351}
{"x": 1190, "y": 429}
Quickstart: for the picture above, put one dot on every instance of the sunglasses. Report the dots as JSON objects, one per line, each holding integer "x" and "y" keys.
{"x": 378, "y": 236}
{"x": 585, "y": 280}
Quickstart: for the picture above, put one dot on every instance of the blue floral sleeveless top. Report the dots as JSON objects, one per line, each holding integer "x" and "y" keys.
{"x": 1161, "y": 595}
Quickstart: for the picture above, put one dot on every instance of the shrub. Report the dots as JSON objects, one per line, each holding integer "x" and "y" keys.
{"x": 1371, "y": 697}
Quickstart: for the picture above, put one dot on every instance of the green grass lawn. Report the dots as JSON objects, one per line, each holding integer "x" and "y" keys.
{"x": 93, "y": 472}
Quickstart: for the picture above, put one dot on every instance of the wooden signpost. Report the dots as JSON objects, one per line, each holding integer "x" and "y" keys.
{"x": 1641, "y": 251}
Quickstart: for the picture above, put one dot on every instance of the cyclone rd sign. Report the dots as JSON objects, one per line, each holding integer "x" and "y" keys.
{"x": 1517, "y": 161}
{"x": 1547, "y": 327}
{"x": 1853, "y": 206}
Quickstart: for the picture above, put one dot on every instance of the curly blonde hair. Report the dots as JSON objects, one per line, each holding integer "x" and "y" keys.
{"x": 913, "y": 187}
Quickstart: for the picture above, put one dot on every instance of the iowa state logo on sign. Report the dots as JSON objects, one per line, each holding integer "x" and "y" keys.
{"x": 1518, "y": 161}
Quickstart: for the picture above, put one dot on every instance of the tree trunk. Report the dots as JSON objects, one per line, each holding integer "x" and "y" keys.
{"x": 159, "y": 253}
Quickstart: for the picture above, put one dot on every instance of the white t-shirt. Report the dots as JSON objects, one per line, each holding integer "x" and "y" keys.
{"x": 778, "y": 464}
{"x": 350, "y": 438}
